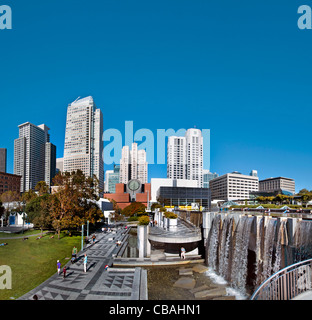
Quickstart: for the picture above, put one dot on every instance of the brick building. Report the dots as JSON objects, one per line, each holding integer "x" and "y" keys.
{"x": 9, "y": 182}
{"x": 123, "y": 196}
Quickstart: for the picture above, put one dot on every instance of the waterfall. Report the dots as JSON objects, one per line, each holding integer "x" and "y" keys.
{"x": 240, "y": 254}
{"x": 225, "y": 252}
{"x": 237, "y": 249}
{"x": 303, "y": 240}
{"x": 281, "y": 239}
{"x": 259, "y": 251}
{"x": 213, "y": 243}
{"x": 268, "y": 248}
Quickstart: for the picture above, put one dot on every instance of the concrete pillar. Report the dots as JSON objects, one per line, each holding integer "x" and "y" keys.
{"x": 207, "y": 221}
{"x": 144, "y": 245}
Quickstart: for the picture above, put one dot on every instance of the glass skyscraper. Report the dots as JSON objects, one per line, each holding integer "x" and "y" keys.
{"x": 34, "y": 155}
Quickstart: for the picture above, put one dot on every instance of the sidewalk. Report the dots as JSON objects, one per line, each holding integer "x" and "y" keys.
{"x": 97, "y": 283}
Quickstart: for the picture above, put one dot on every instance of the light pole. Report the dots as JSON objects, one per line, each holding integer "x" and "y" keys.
{"x": 87, "y": 229}
{"x": 82, "y": 237}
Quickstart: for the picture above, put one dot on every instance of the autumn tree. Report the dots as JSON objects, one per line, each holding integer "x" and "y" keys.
{"x": 74, "y": 202}
{"x": 38, "y": 212}
{"x": 135, "y": 208}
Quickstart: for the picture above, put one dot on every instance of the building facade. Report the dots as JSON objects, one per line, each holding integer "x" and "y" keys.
{"x": 233, "y": 186}
{"x": 185, "y": 156}
{"x": 176, "y": 158}
{"x": 124, "y": 196}
{"x": 275, "y": 184}
{"x": 34, "y": 155}
{"x": 50, "y": 163}
{"x": 207, "y": 176}
{"x": 156, "y": 183}
{"x": 133, "y": 164}
{"x": 3, "y": 160}
{"x": 83, "y": 147}
{"x": 184, "y": 197}
{"x": 10, "y": 182}
{"x": 111, "y": 179}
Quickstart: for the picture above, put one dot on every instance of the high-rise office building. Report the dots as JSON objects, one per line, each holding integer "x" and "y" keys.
{"x": 50, "y": 163}
{"x": 194, "y": 155}
{"x": 83, "y": 147}
{"x": 111, "y": 178}
{"x": 185, "y": 156}
{"x": 207, "y": 176}
{"x": 3, "y": 160}
{"x": 133, "y": 164}
{"x": 34, "y": 155}
{"x": 176, "y": 158}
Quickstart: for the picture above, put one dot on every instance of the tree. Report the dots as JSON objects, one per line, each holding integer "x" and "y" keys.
{"x": 38, "y": 212}
{"x": 42, "y": 188}
{"x": 74, "y": 203}
{"x": 135, "y": 208}
{"x": 8, "y": 198}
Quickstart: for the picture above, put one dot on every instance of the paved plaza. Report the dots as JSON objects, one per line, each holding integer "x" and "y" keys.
{"x": 97, "y": 283}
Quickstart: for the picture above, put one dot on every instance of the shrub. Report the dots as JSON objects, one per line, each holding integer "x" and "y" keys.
{"x": 171, "y": 215}
{"x": 144, "y": 220}
{"x": 133, "y": 218}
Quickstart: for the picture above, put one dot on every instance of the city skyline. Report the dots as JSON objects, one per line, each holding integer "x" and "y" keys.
{"x": 168, "y": 65}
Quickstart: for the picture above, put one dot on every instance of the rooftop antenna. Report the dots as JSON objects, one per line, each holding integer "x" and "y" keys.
{"x": 76, "y": 99}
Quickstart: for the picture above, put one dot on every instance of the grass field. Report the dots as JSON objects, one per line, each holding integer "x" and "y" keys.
{"x": 33, "y": 261}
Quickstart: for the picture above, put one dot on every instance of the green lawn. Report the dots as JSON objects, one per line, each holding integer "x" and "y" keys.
{"x": 33, "y": 261}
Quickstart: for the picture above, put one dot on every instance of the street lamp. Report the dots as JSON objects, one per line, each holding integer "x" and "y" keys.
{"x": 82, "y": 237}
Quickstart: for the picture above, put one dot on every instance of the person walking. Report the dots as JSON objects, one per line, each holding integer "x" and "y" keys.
{"x": 58, "y": 266}
{"x": 74, "y": 254}
{"x": 85, "y": 260}
{"x": 64, "y": 272}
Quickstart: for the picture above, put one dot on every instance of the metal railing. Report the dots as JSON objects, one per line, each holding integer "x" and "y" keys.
{"x": 287, "y": 283}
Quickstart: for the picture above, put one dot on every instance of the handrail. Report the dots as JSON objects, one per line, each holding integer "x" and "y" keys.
{"x": 286, "y": 283}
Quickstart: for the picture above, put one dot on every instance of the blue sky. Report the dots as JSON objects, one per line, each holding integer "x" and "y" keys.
{"x": 239, "y": 68}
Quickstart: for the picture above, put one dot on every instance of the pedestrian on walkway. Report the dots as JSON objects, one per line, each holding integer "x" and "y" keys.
{"x": 58, "y": 266}
{"x": 85, "y": 260}
{"x": 182, "y": 253}
{"x": 93, "y": 238}
{"x": 64, "y": 272}
{"x": 74, "y": 254}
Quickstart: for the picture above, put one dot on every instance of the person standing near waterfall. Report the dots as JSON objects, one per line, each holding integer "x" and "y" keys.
{"x": 182, "y": 253}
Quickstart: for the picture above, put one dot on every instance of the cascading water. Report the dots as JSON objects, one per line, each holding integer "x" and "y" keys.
{"x": 213, "y": 243}
{"x": 225, "y": 252}
{"x": 268, "y": 249}
{"x": 259, "y": 251}
{"x": 303, "y": 240}
{"x": 237, "y": 248}
{"x": 240, "y": 255}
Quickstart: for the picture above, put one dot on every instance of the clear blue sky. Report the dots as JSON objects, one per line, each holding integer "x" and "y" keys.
{"x": 242, "y": 69}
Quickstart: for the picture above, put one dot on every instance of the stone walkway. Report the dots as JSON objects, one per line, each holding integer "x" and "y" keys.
{"x": 97, "y": 283}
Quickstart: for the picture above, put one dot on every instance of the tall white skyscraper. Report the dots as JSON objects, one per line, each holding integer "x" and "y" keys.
{"x": 133, "y": 164}
{"x": 83, "y": 148}
{"x": 194, "y": 155}
{"x": 176, "y": 158}
{"x": 185, "y": 156}
{"x": 34, "y": 155}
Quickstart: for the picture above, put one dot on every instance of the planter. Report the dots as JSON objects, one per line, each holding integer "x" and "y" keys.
{"x": 173, "y": 222}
